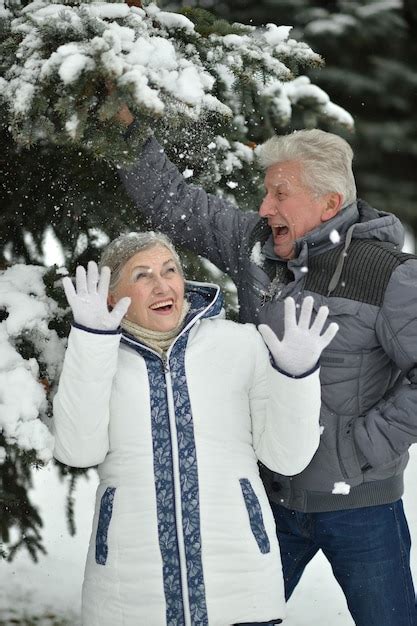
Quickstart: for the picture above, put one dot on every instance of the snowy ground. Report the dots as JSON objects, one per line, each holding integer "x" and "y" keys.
{"x": 54, "y": 584}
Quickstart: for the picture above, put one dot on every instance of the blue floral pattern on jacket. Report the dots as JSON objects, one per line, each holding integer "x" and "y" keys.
{"x": 189, "y": 485}
{"x": 104, "y": 518}
{"x": 255, "y": 516}
{"x": 165, "y": 493}
{"x": 188, "y": 472}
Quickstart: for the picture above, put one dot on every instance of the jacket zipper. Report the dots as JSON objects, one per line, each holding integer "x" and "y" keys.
{"x": 175, "y": 460}
{"x": 176, "y": 481}
{"x": 342, "y": 465}
{"x": 177, "y": 492}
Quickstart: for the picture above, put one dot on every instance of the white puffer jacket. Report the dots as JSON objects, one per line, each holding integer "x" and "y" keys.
{"x": 183, "y": 534}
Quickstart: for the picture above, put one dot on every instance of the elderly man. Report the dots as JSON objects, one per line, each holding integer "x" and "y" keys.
{"x": 313, "y": 237}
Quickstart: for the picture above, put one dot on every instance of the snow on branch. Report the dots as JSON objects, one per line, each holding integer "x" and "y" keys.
{"x": 69, "y": 67}
{"x": 31, "y": 355}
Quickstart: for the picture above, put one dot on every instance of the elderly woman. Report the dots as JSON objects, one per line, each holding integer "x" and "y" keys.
{"x": 176, "y": 407}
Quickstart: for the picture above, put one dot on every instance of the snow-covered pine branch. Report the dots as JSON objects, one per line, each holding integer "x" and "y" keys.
{"x": 60, "y": 59}
{"x": 31, "y": 355}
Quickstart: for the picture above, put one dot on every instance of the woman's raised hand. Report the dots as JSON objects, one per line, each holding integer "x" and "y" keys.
{"x": 88, "y": 300}
{"x": 301, "y": 346}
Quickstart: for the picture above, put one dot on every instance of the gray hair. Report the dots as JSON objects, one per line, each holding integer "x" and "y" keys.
{"x": 325, "y": 159}
{"x": 121, "y": 249}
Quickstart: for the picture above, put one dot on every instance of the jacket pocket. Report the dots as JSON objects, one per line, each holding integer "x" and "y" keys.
{"x": 104, "y": 519}
{"x": 255, "y": 515}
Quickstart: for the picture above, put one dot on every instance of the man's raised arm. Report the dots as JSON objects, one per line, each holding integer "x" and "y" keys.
{"x": 205, "y": 223}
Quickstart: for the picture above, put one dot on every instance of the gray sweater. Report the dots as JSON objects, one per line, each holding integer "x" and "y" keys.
{"x": 368, "y": 373}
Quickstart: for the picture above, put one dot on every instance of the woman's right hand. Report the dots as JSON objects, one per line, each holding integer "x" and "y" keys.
{"x": 88, "y": 299}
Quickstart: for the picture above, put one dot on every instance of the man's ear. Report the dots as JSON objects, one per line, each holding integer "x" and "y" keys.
{"x": 334, "y": 203}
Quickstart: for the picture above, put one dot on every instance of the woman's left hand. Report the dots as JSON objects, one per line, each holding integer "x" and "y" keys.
{"x": 301, "y": 346}
{"x": 88, "y": 300}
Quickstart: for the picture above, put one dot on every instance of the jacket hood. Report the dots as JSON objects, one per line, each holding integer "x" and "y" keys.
{"x": 206, "y": 300}
{"x": 359, "y": 218}
{"x": 379, "y": 225}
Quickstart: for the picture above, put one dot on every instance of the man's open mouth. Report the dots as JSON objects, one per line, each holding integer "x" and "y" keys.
{"x": 280, "y": 231}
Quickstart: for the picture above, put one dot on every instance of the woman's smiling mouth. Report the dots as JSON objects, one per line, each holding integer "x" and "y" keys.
{"x": 163, "y": 307}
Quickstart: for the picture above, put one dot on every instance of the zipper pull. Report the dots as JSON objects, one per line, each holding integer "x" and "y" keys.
{"x": 264, "y": 299}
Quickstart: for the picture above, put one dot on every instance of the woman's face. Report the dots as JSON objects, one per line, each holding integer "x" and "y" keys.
{"x": 152, "y": 279}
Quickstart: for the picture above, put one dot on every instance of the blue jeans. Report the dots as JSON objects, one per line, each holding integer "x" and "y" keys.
{"x": 369, "y": 551}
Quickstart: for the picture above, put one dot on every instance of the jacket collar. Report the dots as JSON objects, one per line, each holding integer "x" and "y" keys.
{"x": 318, "y": 240}
{"x": 359, "y": 219}
{"x": 206, "y": 301}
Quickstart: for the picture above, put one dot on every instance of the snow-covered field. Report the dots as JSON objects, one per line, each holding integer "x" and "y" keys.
{"x": 53, "y": 585}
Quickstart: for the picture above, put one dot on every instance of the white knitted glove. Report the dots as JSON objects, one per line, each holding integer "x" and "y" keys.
{"x": 89, "y": 300}
{"x": 301, "y": 346}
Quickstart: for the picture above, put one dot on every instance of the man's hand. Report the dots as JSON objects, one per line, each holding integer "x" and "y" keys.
{"x": 88, "y": 300}
{"x": 301, "y": 346}
{"x": 124, "y": 116}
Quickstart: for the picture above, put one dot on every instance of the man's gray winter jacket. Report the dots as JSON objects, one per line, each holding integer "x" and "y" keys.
{"x": 368, "y": 373}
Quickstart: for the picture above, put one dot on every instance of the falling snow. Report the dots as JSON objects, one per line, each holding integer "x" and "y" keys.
{"x": 257, "y": 256}
{"x": 341, "y": 488}
{"x": 334, "y": 236}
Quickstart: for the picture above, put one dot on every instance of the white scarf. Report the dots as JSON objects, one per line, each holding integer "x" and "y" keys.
{"x": 156, "y": 339}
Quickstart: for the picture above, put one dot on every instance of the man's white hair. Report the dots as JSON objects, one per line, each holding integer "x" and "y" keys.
{"x": 121, "y": 249}
{"x": 325, "y": 159}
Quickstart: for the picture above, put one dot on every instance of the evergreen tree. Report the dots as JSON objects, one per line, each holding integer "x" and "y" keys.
{"x": 372, "y": 68}
{"x": 59, "y": 114}
{"x": 209, "y": 89}
{"x": 370, "y": 50}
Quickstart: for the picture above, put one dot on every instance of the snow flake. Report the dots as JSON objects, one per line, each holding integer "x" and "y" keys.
{"x": 256, "y": 255}
{"x": 341, "y": 488}
{"x": 334, "y": 236}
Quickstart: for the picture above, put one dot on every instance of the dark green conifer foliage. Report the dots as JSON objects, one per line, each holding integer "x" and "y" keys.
{"x": 17, "y": 510}
{"x": 48, "y": 181}
{"x": 370, "y": 52}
